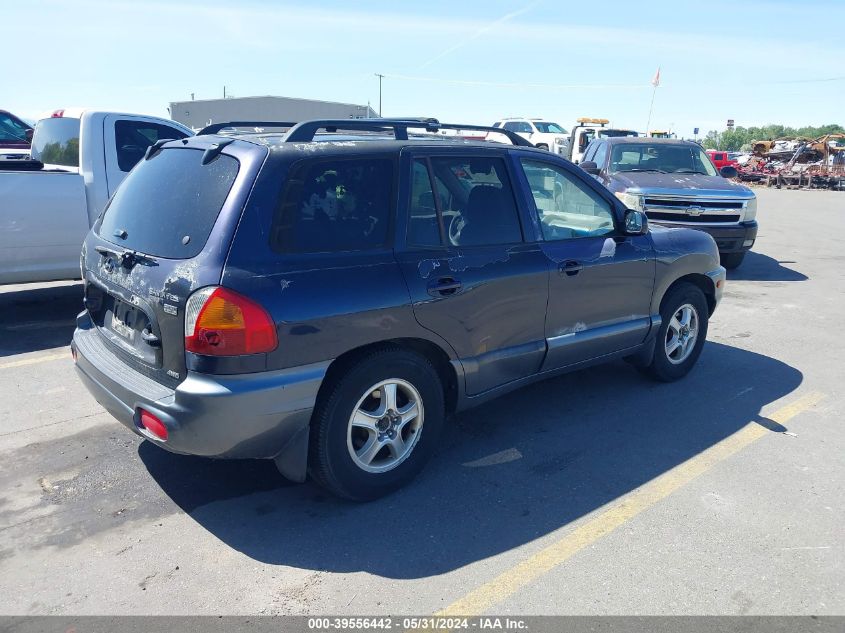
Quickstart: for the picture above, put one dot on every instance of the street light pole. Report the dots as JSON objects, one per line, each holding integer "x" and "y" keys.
{"x": 380, "y": 77}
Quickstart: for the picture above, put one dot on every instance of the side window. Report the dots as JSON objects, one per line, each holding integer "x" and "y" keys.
{"x": 566, "y": 207}
{"x": 588, "y": 155}
{"x": 600, "y": 157}
{"x": 134, "y": 137}
{"x": 333, "y": 206}
{"x": 423, "y": 223}
{"x": 479, "y": 207}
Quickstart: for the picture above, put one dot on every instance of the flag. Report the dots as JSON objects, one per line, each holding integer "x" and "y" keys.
{"x": 655, "y": 81}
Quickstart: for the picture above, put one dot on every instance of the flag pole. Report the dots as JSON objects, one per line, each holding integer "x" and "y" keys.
{"x": 650, "y": 109}
{"x": 654, "y": 82}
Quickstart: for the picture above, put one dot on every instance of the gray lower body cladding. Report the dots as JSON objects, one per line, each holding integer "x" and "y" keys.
{"x": 264, "y": 415}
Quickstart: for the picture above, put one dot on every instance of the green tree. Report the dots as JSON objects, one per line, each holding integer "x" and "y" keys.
{"x": 733, "y": 140}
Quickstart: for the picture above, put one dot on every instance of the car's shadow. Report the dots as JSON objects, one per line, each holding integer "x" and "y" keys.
{"x": 509, "y": 472}
{"x": 759, "y": 267}
{"x": 33, "y": 318}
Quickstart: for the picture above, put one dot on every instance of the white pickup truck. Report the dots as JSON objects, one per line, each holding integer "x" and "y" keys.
{"x": 48, "y": 204}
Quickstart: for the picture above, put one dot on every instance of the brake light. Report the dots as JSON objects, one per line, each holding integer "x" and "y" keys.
{"x": 220, "y": 322}
{"x": 57, "y": 114}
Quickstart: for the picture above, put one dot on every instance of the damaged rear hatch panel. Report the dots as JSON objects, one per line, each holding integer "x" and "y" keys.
{"x": 164, "y": 234}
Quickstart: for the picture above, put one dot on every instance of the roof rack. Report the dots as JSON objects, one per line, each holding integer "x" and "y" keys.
{"x": 214, "y": 128}
{"x": 305, "y": 131}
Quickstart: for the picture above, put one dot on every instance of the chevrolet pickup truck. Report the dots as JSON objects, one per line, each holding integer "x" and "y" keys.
{"x": 47, "y": 204}
{"x": 676, "y": 184}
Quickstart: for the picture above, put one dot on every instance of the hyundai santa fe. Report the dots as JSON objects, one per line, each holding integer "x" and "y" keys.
{"x": 327, "y": 296}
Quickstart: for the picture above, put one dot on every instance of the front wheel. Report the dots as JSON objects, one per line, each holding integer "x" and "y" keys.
{"x": 681, "y": 336}
{"x": 731, "y": 260}
{"x": 376, "y": 425}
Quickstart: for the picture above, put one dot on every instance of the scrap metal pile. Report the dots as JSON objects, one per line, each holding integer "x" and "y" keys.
{"x": 812, "y": 162}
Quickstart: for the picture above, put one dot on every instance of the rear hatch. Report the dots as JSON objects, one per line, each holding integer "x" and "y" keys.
{"x": 164, "y": 234}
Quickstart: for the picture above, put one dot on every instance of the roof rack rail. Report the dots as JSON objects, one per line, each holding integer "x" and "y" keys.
{"x": 305, "y": 131}
{"x": 214, "y": 128}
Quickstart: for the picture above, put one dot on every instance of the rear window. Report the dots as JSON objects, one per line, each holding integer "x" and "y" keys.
{"x": 56, "y": 142}
{"x": 334, "y": 206}
{"x": 168, "y": 205}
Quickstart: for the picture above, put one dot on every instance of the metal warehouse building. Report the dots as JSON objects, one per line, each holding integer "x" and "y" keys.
{"x": 198, "y": 114}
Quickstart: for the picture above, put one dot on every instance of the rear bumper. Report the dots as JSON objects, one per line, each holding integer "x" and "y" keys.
{"x": 239, "y": 416}
{"x": 729, "y": 239}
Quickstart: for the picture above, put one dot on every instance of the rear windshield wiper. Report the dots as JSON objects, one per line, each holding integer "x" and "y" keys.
{"x": 127, "y": 258}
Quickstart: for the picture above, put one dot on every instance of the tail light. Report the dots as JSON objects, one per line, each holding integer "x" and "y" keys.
{"x": 220, "y": 322}
{"x": 57, "y": 114}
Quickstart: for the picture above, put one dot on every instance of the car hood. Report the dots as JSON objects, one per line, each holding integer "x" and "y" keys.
{"x": 653, "y": 182}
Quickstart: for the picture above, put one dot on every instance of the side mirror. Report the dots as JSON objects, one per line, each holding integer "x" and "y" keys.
{"x": 590, "y": 167}
{"x": 636, "y": 222}
{"x": 29, "y": 133}
{"x": 728, "y": 171}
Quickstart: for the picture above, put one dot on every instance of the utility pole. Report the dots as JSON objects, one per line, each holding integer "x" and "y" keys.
{"x": 224, "y": 92}
{"x": 380, "y": 77}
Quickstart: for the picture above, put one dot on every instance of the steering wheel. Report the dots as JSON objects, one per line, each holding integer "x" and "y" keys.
{"x": 456, "y": 225}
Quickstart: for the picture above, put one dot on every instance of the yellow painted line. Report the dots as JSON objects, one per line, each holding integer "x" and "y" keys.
{"x": 509, "y": 582}
{"x": 35, "y": 360}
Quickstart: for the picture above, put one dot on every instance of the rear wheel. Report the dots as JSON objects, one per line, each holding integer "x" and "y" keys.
{"x": 681, "y": 336}
{"x": 376, "y": 425}
{"x": 731, "y": 260}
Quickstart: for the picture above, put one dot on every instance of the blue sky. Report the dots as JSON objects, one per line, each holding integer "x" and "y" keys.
{"x": 754, "y": 61}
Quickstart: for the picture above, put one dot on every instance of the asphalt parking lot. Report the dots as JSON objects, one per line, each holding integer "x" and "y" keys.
{"x": 596, "y": 493}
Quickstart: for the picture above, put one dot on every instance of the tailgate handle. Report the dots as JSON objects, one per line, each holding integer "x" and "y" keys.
{"x": 150, "y": 339}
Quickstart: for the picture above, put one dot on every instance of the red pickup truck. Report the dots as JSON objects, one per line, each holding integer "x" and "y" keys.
{"x": 14, "y": 133}
{"x": 721, "y": 159}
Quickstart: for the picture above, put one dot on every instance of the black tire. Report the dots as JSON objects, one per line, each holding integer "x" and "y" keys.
{"x": 731, "y": 260}
{"x": 661, "y": 367}
{"x": 330, "y": 463}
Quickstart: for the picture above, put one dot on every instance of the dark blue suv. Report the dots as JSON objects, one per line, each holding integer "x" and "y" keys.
{"x": 327, "y": 296}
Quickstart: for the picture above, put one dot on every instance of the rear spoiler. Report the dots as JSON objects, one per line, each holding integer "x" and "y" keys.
{"x": 305, "y": 131}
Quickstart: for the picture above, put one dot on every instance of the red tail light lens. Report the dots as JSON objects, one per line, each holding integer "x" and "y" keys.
{"x": 152, "y": 424}
{"x": 220, "y": 322}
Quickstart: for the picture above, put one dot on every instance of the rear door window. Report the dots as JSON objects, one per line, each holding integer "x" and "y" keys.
{"x": 132, "y": 139}
{"x": 169, "y": 204}
{"x": 56, "y": 142}
{"x": 479, "y": 207}
{"x": 423, "y": 221}
{"x": 335, "y": 206}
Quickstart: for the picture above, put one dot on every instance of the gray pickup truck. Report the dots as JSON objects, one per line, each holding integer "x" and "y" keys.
{"x": 676, "y": 184}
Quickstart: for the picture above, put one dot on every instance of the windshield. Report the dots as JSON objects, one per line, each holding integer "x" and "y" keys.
{"x": 168, "y": 204}
{"x": 661, "y": 157}
{"x": 615, "y": 133}
{"x": 12, "y": 129}
{"x": 548, "y": 127}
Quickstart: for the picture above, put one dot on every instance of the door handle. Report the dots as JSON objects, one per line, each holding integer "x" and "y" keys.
{"x": 570, "y": 268}
{"x": 444, "y": 287}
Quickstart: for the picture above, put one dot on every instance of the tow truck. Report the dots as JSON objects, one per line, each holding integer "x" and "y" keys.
{"x": 585, "y": 130}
